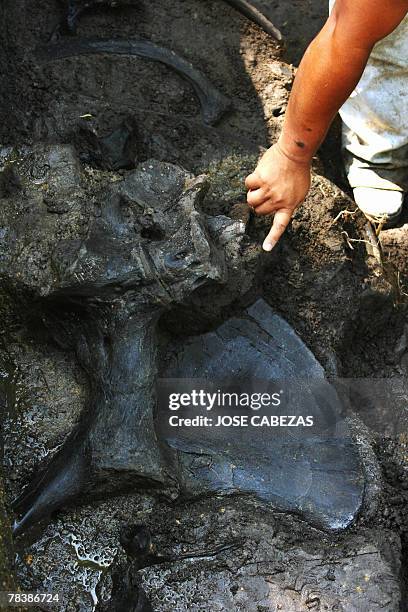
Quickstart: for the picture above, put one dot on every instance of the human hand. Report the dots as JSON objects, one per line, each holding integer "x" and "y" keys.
{"x": 277, "y": 185}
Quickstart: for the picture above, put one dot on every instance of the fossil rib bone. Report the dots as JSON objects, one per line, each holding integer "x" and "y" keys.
{"x": 214, "y": 104}
{"x": 257, "y": 16}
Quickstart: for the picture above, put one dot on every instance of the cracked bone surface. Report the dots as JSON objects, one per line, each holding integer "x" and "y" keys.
{"x": 103, "y": 264}
{"x": 315, "y": 472}
{"x": 100, "y": 258}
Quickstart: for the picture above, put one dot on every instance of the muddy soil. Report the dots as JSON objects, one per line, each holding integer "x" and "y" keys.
{"x": 349, "y": 309}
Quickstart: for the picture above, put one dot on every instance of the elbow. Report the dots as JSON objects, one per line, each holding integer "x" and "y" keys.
{"x": 339, "y": 41}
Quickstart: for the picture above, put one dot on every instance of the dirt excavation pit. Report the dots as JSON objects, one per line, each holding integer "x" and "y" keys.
{"x": 81, "y": 133}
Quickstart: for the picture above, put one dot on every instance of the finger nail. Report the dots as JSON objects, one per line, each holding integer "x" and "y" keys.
{"x": 268, "y": 245}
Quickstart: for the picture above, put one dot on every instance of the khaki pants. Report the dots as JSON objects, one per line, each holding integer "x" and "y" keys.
{"x": 375, "y": 117}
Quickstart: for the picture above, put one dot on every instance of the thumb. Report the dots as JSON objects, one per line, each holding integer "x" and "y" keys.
{"x": 280, "y": 223}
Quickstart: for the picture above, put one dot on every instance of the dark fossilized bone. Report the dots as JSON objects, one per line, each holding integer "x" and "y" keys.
{"x": 315, "y": 472}
{"x": 109, "y": 141}
{"x": 103, "y": 269}
{"x": 213, "y": 103}
{"x": 75, "y": 8}
{"x": 100, "y": 268}
{"x": 257, "y": 15}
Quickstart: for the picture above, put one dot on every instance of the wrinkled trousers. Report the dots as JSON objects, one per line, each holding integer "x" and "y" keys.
{"x": 375, "y": 117}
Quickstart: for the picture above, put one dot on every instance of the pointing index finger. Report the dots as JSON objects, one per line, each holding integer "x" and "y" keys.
{"x": 280, "y": 223}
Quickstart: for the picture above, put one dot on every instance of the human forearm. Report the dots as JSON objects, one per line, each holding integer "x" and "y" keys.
{"x": 330, "y": 70}
{"x": 326, "y": 76}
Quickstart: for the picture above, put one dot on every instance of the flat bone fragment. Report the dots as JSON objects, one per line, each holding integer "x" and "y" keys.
{"x": 314, "y": 472}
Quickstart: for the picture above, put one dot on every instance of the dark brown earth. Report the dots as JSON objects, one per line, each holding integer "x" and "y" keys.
{"x": 346, "y": 306}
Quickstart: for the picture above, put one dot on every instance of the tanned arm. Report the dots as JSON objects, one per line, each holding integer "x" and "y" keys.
{"x": 328, "y": 73}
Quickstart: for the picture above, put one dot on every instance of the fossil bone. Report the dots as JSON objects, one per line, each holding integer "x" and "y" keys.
{"x": 214, "y": 104}
{"x": 257, "y": 15}
{"x": 102, "y": 272}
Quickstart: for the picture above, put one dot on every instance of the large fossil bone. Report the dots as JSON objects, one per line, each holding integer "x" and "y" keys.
{"x": 103, "y": 270}
{"x": 257, "y": 14}
{"x": 101, "y": 267}
{"x": 214, "y": 104}
{"x": 315, "y": 472}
